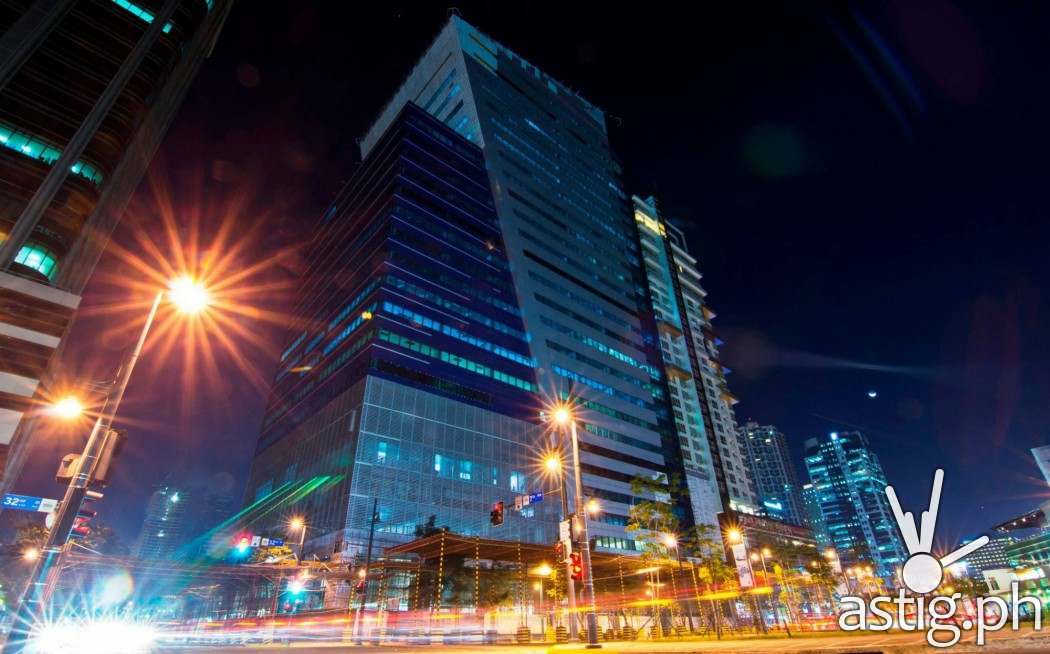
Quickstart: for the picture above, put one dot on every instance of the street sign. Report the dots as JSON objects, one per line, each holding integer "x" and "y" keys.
{"x": 535, "y": 497}
{"x": 29, "y": 503}
{"x": 565, "y": 530}
{"x": 518, "y": 502}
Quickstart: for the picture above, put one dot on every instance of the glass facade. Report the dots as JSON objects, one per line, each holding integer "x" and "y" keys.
{"x": 408, "y": 376}
{"x": 716, "y": 470}
{"x": 572, "y": 246}
{"x": 848, "y": 488}
{"x": 773, "y": 473}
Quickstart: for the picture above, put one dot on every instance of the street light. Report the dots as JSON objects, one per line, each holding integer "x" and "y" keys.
{"x": 671, "y": 541}
{"x": 552, "y": 464}
{"x": 734, "y": 536}
{"x": 563, "y": 416}
{"x": 67, "y": 408}
{"x": 299, "y": 524}
{"x": 594, "y": 507}
{"x": 189, "y": 297}
{"x": 31, "y": 554}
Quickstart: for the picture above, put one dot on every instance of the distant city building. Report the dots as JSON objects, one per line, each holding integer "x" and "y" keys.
{"x": 716, "y": 471}
{"x": 773, "y": 473}
{"x": 814, "y": 517}
{"x": 87, "y": 91}
{"x": 570, "y": 240}
{"x": 407, "y": 378}
{"x": 1041, "y": 455}
{"x": 850, "y": 491}
{"x": 165, "y": 528}
{"x": 1027, "y": 552}
{"x": 990, "y": 556}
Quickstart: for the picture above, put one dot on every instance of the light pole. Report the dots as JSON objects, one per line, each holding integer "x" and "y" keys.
{"x": 300, "y": 525}
{"x": 189, "y": 297}
{"x": 563, "y": 415}
{"x": 555, "y": 465}
{"x": 672, "y": 543}
{"x": 542, "y": 571}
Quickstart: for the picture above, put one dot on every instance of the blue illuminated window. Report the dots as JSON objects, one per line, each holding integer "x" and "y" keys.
{"x": 141, "y": 13}
{"x": 32, "y": 146}
{"x": 38, "y": 258}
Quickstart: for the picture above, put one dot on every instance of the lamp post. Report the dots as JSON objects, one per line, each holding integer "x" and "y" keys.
{"x": 299, "y": 524}
{"x": 671, "y": 541}
{"x": 554, "y": 465}
{"x": 542, "y": 571}
{"x": 563, "y": 416}
{"x": 189, "y": 297}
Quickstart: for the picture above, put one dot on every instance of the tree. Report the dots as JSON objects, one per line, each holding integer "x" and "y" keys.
{"x": 429, "y": 528}
{"x": 273, "y": 554}
{"x": 650, "y": 519}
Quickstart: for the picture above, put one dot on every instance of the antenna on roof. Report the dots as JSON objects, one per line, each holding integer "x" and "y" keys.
{"x": 453, "y": 11}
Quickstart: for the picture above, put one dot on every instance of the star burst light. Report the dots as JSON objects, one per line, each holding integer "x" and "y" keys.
{"x": 222, "y": 284}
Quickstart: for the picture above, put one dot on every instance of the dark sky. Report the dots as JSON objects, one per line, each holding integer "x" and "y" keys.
{"x": 865, "y": 190}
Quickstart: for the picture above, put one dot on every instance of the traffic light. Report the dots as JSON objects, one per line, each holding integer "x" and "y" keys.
{"x": 559, "y": 552}
{"x": 576, "y": 566}
{"x": 359, "y": 587}
{"x": 81, "y": 529}
{"x": 101, "y": 475}
{"x": 496, "y": 516}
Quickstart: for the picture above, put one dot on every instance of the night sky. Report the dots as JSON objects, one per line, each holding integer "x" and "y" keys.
{"x": 866, "y": 191}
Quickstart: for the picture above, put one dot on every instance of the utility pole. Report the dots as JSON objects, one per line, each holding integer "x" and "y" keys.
{"x": 570, "y": 584}
{"x": 358, "y": 621}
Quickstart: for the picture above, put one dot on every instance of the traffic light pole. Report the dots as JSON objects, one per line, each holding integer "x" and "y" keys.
{"x": 570, "y": 584}
{"x": 585, "y": 546}
{"x": 358, "y": 621}
{"x": 32, "y": 608}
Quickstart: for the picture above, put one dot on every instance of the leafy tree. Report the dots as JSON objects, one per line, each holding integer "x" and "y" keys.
{"x": 429, "y": 528}
{"x": 273, "y": 554}
{"x": 650, "y": 519}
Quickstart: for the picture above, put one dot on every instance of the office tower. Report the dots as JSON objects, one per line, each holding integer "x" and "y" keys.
{"x": 573, "y": 249}
{"x": 1041, "y": 455}
{"x": 851, "y": 493}
{"x": 87, "y": 90}
{"x": 165, "y": 526}
{"x": 773, "y": 472}
{"x": 814, "y": 518}
{"x": 990, "y": 556}
{"x": 716, "y": 471}
{"x": 407, "y": 378}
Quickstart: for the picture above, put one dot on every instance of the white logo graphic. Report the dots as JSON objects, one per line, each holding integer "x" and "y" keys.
{"x": 923, "y": 571}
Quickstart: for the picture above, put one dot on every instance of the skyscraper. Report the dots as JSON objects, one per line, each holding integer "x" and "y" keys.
{"x": 850, "y": 491}
{"x": 573, "y": 249}
{"x": 166, "y": 524}
{"x": 716, "y": 470}
{"x": 87, "y": 90}
{"x": 773, "y": 472}
{"x": 407, "y": 379}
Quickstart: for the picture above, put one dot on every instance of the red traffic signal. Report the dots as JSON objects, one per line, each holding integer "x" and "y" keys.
{"x": 576, "y": 566}
{"x": 559, "y": 552}
{"x": 359, "y": 587}
{"x": 496, "y": 516}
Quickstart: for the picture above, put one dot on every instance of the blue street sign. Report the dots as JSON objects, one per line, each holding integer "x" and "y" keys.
{"x": 29, "y": 503}
{"x": 276, "y": 542}
{"x": 535, "y": 497}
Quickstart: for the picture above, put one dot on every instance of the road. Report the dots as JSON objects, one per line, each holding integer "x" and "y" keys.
{"x": 1005, "y": 642}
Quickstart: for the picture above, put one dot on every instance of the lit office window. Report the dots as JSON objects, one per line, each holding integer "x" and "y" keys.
{"x": 38, "y": 258}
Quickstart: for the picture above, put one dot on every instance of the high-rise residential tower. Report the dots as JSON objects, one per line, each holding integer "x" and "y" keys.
{"x": 716, "y": 470}
{"x": 573, "y": 250}
{"x": 407, "y": 382}
{"x": 850, "y": 489}
{"x": 166, "y": 525}
{"x": 773, "y": 471}
{"x": 87, "y": 91}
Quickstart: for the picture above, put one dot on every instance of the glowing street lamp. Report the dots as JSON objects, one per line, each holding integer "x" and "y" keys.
{"x": 563, "y": 416}
{"x": 734, "y": 536}
{"x": 552, "y": 463}
{"x": 31, "y": 554}
{"x": 594, "y": 507}
{"x": 67, "y": 408}
{"x": 299, "y": 524}
{"x": 188, "y": 296}
{"x": 543, "y": 570}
